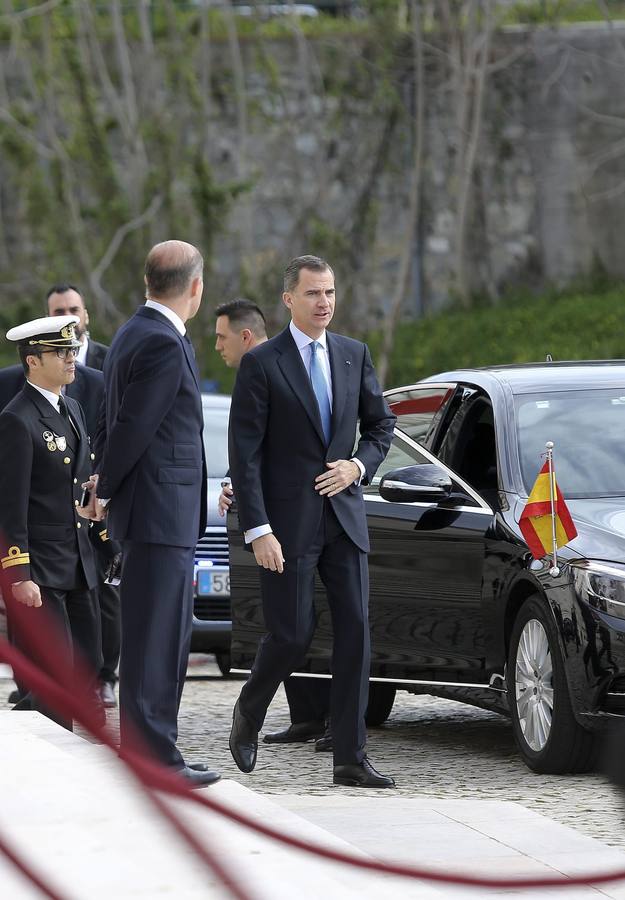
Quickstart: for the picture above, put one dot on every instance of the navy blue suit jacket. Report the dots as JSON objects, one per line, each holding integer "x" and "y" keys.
{"x": 276, "y": 443}
{"x": 152, "y": 466}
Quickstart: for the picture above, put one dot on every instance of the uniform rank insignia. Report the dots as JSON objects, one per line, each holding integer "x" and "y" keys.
{"x": 15, "y": 557}
{"x": 61, "y": 442}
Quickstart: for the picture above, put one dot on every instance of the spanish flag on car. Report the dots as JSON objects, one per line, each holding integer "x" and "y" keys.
{"x": 536, "y": 519}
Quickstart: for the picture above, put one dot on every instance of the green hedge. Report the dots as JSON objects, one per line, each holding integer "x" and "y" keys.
{"x": 574, "y": 326}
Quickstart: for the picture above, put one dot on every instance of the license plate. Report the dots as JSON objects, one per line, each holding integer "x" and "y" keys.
{"x": 211, "y": 583}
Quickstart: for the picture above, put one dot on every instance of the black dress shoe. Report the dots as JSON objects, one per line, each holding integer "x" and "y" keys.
{"x": 324, "y": 743}
{"x": 243, "y": 740}
{"x": 197, "y": 778}
{"x": 302, "y": 731}
{"x": 107, "y": 694}
{"x": 361, "y": 775}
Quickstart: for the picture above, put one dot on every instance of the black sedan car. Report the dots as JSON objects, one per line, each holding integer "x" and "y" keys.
{"x": 458, "y": 607}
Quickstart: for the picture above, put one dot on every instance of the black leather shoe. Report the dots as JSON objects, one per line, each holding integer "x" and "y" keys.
{"x": 361, "y": 775}
{"x": 302, "y": 731}
{"x": 15, "y": 696}
{"x": 243, "y": 741}
{"x": 197, "y": 778}
{"x": 324, "y": 744}
{"x": 107, "y": 694}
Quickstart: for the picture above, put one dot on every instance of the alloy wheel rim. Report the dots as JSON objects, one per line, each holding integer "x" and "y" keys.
{"x": 534, "y": 685}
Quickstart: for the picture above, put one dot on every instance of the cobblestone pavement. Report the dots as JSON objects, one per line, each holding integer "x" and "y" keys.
{"x": 434, "y": 748}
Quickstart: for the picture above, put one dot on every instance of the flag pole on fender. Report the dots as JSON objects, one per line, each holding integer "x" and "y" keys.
{"x": 546, "y": 523}
{"x": 554, "y": 571}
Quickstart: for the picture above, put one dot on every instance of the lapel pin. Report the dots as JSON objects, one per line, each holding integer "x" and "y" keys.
{"x": 48, "y": 436}
{"x": 348, "y": 362}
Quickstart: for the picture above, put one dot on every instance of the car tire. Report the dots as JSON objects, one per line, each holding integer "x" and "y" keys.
{"x": 223, "y": 663}
{"x": 548, "y": 736}
{"x": 381, "y": 699}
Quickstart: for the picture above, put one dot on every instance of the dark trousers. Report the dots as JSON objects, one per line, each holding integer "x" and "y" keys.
{"x": 75, "y": 613}
{"x": 308, "y": 699}
{"x": 288, "y": 607}
{"x": 156, "y": 616}
{"x": 108, "y": 597}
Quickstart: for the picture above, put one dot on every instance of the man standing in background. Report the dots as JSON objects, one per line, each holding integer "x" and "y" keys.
{"x": 66, "y": 300}
{"x": 152, "y": 484}
{"x": 240, "y": 327}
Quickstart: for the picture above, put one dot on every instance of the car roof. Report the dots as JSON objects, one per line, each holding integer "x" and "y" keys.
{"x": 544, "y": 376}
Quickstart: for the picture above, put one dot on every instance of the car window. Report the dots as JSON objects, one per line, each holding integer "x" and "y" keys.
{"x": 419, "y": 409}
{"x": 469, "y": 445}
{"x": 216, "y": 439}
{"x": 401, "y": 454}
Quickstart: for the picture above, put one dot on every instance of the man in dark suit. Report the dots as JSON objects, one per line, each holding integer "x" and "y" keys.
{"x": 296, "y": 404}
{"x": 240, "y": 326}
{"x": 152, "y": 483}
{"x": 66, "y": 300}
{"x": 46, "y": 555}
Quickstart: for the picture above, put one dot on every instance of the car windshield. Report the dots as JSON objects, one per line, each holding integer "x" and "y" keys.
{"x": 216, "y": 439}
{"x": 587, "y": 429}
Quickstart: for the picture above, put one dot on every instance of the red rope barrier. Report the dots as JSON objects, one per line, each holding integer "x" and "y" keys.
{"x": 156, "y": 777}
{"x": 28, "y": 872}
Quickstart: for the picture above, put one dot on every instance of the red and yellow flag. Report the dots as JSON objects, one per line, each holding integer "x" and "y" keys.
{"x": 535, "y": 521}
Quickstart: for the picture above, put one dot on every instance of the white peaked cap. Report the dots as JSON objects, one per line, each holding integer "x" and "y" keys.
{"x": 51, "y": 330}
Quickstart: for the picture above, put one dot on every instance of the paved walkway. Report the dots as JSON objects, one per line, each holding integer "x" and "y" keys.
{"x": 69, "y": 805}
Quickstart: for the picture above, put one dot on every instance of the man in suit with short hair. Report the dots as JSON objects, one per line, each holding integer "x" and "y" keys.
{"x": 152, "y": 485}
{"x": 65, "y": 299}
{"x": 240, "y": 326}
{"x": 296, "y": 405}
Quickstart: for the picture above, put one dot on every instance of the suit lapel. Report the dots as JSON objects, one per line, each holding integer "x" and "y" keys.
{"x": 292, "y": 367}
{"x": 339, "y": 367}
{"x": 51, "y": 419}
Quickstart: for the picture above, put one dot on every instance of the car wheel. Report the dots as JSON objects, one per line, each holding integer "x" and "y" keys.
{"x": 381, "y": 699}
{"x": 223, "y": 663}
{"x": 546, "y": 732}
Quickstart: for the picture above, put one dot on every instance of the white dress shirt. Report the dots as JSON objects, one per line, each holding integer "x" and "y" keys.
{"x": 304, "y": 344}
{"x": 50, "y": 396}
{"x": 82, "y": 351}
{"x": 173, "y": 317}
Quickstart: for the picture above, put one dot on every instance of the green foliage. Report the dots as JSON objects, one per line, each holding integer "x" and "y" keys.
{"x": 569, "y": 326}
{"x": 542, "y": 12}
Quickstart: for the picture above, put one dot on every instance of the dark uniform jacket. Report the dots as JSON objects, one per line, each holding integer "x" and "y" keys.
{"x": 277, "y": 446}
{"x": 88, "y": 389}
{"x": 152, "y": 466}
{"x": 42, "y": 464}
{"x": 96, "y": 354}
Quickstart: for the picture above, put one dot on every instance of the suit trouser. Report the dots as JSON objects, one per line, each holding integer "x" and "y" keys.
{"x": 308, "y": 699}
{"x": 108, "y": 597}
{"x": 156, "y": 616}
{"x": 289, "y": 612}
{"x": 75, "y": 613}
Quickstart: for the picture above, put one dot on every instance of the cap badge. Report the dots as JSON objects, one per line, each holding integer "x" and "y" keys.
{"x": 67, "y": 332}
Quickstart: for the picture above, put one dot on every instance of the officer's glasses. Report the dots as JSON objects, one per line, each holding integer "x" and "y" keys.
{"x": 64, "y": 352}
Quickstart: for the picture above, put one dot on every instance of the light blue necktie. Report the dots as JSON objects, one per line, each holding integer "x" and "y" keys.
{"x": 320, "y": 388}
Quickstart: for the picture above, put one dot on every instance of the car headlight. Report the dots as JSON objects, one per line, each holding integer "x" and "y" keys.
{"x": 600, "y": 584}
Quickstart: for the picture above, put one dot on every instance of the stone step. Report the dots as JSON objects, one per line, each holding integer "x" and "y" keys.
{"x": 75, "y": 814}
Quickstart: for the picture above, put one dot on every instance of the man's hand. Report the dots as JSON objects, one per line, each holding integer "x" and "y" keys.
{"x": 341, "y": 474}
{"x": 225, "y": 499}
{"x": 268, "y": 553}
{"x": 93, "y": 510}
{"x": 28, "y": 593}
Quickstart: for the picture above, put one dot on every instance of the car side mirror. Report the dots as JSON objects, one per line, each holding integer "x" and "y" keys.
{"x": 425, "y": 483}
